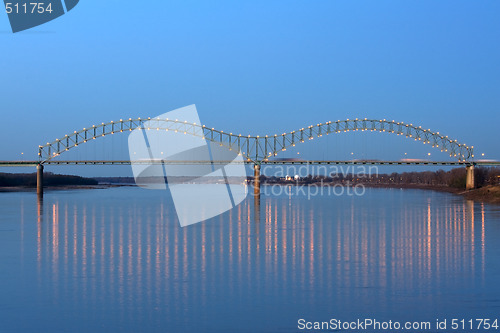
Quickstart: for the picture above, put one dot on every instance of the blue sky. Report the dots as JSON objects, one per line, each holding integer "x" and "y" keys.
{"x": 256, "y": 67}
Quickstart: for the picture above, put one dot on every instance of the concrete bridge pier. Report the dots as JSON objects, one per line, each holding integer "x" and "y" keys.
{"x": 256, "y": 180}
{"x": 39, "y": 179}
{"x": 469, "y": 179}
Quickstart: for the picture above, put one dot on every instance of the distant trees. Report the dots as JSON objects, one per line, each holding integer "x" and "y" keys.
{"x": 455, "y": 178}
{"x": 486, "y": 176}
{"x": 49, "y": 179}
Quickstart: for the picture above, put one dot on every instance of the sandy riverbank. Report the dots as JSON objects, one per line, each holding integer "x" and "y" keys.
{"x": 489, "y": 194}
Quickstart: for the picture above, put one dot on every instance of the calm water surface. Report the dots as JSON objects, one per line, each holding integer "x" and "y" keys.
{"x": 116, "y": 260}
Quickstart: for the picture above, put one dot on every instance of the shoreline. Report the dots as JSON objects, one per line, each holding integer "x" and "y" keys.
{"x": 10, "y": 189}
{"x": 438, "y": 188}
{"x": 487, "y": 194}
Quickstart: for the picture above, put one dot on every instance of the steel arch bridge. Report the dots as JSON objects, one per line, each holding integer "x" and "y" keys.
{"x": 257, "y": 149}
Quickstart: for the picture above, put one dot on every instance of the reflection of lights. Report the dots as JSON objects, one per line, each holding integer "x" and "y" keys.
{"x": 292, "y": 244}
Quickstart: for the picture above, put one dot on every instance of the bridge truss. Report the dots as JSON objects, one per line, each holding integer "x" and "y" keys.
{"x": 257, "y": 149}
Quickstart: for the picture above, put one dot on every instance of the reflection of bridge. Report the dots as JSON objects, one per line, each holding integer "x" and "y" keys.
{"x": 256, "y": 149}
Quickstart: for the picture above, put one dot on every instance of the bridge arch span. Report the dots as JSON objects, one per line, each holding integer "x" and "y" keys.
{"x": 257, "y": 148}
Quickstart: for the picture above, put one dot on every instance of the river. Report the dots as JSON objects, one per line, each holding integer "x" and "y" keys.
{"x": 116, "y": 260}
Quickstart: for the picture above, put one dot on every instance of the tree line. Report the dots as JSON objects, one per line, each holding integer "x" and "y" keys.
{"x": 49, "y": 179}
{"x": 455, "y": 178}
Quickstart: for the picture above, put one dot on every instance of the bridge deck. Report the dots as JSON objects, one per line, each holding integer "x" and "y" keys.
{"x": 286, "y": 162}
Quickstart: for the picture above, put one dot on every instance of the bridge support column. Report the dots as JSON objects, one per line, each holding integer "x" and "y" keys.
{"x": 256, "y": 180}
{"x": 39, "y": 179}
{"x": 470, "y": 181}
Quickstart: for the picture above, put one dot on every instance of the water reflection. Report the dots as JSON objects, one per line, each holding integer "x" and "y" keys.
{"x": 133, "y": 262}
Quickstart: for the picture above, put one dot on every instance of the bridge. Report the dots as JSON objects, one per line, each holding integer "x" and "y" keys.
{"x": 256, "y": 150}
